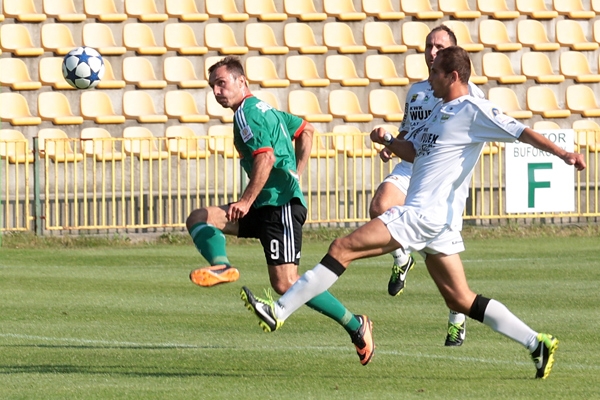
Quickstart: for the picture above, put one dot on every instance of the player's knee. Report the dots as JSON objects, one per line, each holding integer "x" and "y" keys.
{"x": 376, "y": 208}
{"x": 196, "y": 216}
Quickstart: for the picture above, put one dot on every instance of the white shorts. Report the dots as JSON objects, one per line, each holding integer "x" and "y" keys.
{"x": 416, "y": 232}
{"x": 400, "y": 176}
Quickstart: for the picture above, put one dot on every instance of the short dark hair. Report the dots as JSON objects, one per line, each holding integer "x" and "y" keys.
{"x": 449, "y": 31}
{"x": 455, "y": 58}
{"x": 233, "y": 65}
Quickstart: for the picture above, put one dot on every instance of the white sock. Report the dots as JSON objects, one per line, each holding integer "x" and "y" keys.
{"x": 311, "y": 284}
{"x": 500, "y": 319}
{"x": 400, "y": 256}
{"x": 456, "y": 318}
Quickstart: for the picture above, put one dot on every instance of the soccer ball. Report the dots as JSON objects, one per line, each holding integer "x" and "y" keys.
{"x": 83, "y": 68}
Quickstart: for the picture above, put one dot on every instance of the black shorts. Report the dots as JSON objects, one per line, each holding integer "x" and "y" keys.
{"x": 279, "y": 229}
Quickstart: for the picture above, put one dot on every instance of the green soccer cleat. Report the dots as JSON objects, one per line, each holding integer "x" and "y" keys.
{"x": 363, "y": 339}
{"x": 263, "y": 309}
{"x": 398, "y": 278}
{"x": 543, "y": 355}
{"x": 456, "y": 334}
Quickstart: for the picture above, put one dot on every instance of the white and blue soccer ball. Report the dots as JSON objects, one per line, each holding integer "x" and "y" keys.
{"x": 83, "y": 67}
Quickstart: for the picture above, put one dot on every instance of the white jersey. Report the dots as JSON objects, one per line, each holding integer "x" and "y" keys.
{"x": 419, "y": 103}
{"x": 448, "y": 146}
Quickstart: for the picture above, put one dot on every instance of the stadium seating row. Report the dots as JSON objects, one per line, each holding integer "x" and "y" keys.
{"x": 305, "y": 10}
{"x": 337, "y": 36}
{"x": 181, "y": 105}
{"x": 302, "y": 70}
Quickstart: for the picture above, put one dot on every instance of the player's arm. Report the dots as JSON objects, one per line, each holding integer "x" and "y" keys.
{"x": 538, "y": 141}
{"x": 386, "y": 154}
{"x": 304, "y": 142}
{"x": 264, "y": 159}
{"x": 400, "y": 147}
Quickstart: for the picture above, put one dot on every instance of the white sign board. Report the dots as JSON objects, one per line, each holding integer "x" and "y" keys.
{"x": 537, "y": 181}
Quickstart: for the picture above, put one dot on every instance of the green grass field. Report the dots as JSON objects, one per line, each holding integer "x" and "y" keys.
{"x": 125, "y": 322}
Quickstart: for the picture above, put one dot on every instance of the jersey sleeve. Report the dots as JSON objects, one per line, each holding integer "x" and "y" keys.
{"x": 295, "y": 125}
{"x": 492, "y": 125}
{"x": 257, "y": 134}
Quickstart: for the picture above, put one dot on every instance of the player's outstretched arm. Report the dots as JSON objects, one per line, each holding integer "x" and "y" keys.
{"x": 304, "y": 143}
{"x": 539, "y": 141}
{"x": 400, "y": 147}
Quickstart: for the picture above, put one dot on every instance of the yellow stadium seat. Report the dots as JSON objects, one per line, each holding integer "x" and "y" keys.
{"x": 103, "y": 10}
{"x": 508, "y": 102}
{"x": 139, "y": 38}
{"x": 139, "y": 105}
{"x": 383, "y": 103}
{"x": 340, "y": 69}
{"x": 497, "y": 9}
{"x": 344, "y": 104}
{"x": 596, "y": 31}
{"x": 338, "y": 36}
{"x": 180, "y": 37}
{"x": 260, "y": 36}
{"x": 225, "y": 10}
{"x": 379, "y": 36}
{"x": 62, "y": 10}
{"x": 542, "y": 100}
{"x": 493, "y": 33}
{"x": 588, "y": 134}
{"x": 542, "y": 125}
{"x": 14, "y": 74}
{"x": 184, "y": 10}
{"x": 14, "y": 147}
{"x": 50, "y": 73}
{"x": 98, "y": 143}
{"x": 180, "y": 71}
{"x": 98, "y": 107}
{"x": 382, "y": 10}
{"x": 304, "y": 10}
{"x": 100, "y": 37}
{"x": 144, "y": 10}
{"x": 57, "y": 38}
{"x": 343, "y": 10}
{"x": 531, "y": 33}
{"x": 414, "y": 34}
{"x": 181, "y": 105}
{"x": 463, "y": 36}
{"x": 535, "y": 9}
{"x": 458, "y": 9}
{"x": 595, "y": 6}
{"x": 267, "y": 97}
{"x": 140, "y": 142}
{"x": 300, "y": 36}
{"x": 215, "y": 110}
{"x": 220, "y": 140}
{"x": 262, "y": 70}
{"x": 305, "y": 104}
{"x": 55, "y": 107}
{"x": 348, "y": 139}
{"x": 477, "y": 78}
{"x": 497, "y": 66}
{"x": 572, "y": 9}
{"x": 184, "y": 143}
{"x": 15, "y": 110}
{"x": 220, "y": 37}
{"x": 570, "y": 33}
{"x": 574, "y": 65}
{"x": 264, "y": 10}
{"x": 15, "y": 38}
{"x": 381, "y": 69}
{"x": 536, "y": 65}
{"x": 302, "y": 70}
{"x": 321, "y": 147}
{"x": 56, "y": 145}
{"x": 139, "y": 71}
{"x": 22, "y": 10}
{"x": 109, "y": 80}
{"x": 420, "y": 9}
{"x": 415, "y": 67}
{"x": 582, "y": 100}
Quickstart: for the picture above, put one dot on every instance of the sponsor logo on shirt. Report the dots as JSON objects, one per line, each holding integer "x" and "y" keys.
{"x": 246, "y": 133}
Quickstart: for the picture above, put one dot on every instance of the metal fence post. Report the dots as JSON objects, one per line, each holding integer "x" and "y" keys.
{"x": 37, "y": 203}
